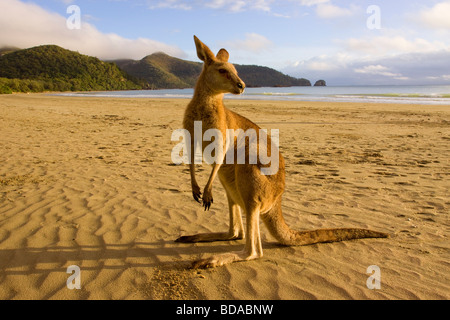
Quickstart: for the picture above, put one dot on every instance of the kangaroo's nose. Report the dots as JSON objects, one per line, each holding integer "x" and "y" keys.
{"x": 240, "y": 85}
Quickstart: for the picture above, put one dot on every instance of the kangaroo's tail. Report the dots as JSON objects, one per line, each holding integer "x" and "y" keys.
{"x": 285, "y": 235}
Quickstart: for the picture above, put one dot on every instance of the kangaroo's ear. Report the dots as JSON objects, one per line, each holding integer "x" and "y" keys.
{"x": 203, "y": 52}
{"x": 223, "y": 55}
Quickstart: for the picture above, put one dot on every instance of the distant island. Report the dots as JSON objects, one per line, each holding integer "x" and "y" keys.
{"x": 52, "y": 68}
{"x": 320, "y": 83}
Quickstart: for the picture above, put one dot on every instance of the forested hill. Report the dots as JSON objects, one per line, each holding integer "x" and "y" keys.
{"x": 52, "y": 68}
{"x": 257, "y": 76}
{"x": 160, "y": 70}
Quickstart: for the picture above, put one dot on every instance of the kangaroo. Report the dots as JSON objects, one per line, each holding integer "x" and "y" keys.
{"x": 247, "y": 189}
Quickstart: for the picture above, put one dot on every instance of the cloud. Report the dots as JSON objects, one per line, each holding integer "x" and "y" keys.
{"x": 239, "y": 5}
{"x": 312, "y": 2}
{"x": 26, "y": 25}
{"x": 324, "y": 8}
{"x": 253, "y": 42}
{"x": 323, "y": 63}
{"x": 229, "y": 5}
{"x": 327, "y": 10}
{"x": 170, "y": 4}
{"x": 437, "y": 17}
{"x": 406, "y": 68}
{"x": 379, "y": 70}
{"x": 320, "y": 66}
{"x": 232, "y": 5}
{"x": 390, "y": 44}
{"x": 330, "y": 11}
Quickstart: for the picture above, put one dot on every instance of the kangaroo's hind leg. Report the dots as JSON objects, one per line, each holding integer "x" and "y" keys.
{"x": 235, "y": 232}
{"x": 252, "y": 249}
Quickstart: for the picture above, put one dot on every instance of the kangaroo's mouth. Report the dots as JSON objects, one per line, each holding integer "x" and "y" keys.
{"x": 240, "y": 88}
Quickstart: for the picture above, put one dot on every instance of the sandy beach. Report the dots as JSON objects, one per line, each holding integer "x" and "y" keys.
{"x": 89, "y": 182}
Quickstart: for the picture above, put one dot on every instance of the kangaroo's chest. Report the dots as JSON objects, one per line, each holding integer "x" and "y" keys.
{"x": 207, "y": 119}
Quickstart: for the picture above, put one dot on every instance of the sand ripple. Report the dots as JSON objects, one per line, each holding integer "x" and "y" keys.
{"x": 89, "y": 182}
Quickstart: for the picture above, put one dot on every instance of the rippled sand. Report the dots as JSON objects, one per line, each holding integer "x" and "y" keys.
{"x": 89, "y": 182}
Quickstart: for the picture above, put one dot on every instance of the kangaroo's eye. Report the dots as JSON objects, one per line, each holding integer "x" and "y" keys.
{"x": 222, "y": 71}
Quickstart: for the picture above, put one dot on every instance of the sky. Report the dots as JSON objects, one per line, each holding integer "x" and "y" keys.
{"x": 344, "y": 42}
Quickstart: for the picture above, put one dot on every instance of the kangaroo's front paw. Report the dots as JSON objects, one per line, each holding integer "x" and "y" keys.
{"x": 196, "y": 193}
{"x": 207, "y": 199}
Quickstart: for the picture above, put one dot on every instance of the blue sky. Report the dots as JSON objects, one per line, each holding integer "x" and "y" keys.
{"x": 405, "y": 42}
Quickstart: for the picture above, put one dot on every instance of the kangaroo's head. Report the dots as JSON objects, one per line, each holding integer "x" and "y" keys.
{"x": 218, "y": 74}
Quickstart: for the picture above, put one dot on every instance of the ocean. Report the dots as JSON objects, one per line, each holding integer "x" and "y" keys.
{"x": 435, "y": 95}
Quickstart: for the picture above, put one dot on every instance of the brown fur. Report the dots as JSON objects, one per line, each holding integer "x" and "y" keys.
{"x": 247, "y": 189}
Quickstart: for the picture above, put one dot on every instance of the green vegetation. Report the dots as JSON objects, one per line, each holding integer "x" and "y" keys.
{"x": 161, "y": 71}
{"x": 52, "y": 68}
{"x": 257, "y": 76}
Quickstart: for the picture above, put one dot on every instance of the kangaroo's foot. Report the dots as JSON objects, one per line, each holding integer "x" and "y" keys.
{"x": 219, "y": 260}
{"x": 209, "y": 237}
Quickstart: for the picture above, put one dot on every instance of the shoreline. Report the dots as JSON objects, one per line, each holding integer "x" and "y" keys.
{"x": 89, "y": 182}
{"x": 226, "y": 101}
{"x": 426, "y": 95}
